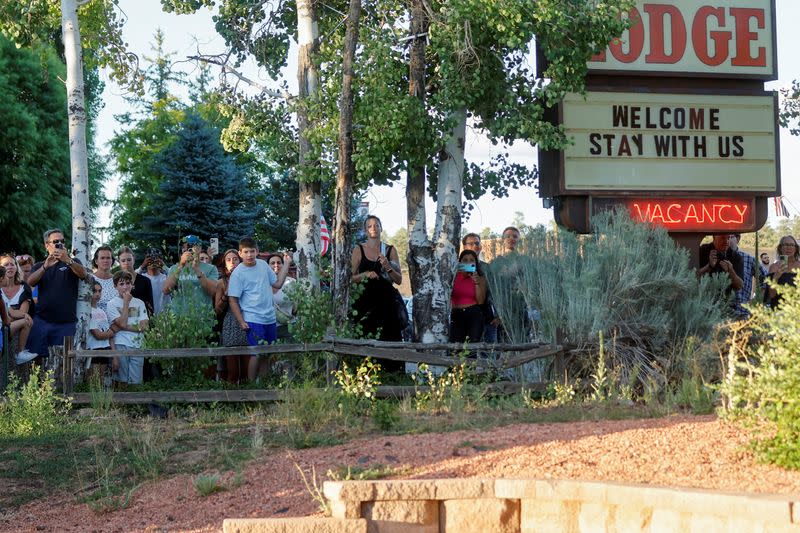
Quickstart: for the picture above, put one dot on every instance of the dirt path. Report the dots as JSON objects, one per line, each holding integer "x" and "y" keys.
{"x": 685, "y": 451}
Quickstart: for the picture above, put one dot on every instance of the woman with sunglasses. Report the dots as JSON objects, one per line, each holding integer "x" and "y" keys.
{"x": 783, "y": 271}
{"x": 18, "y": 301}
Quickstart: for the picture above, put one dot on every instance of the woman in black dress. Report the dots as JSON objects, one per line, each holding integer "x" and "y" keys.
{"x": 377, "y": 265}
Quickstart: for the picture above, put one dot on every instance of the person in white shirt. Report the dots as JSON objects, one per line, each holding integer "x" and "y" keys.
{"x": 128, "y": 317}
{"x": 100, "y": 336}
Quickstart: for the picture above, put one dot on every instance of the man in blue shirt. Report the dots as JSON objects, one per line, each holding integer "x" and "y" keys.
{"x": 250, "y": 299}
{"x": 749, "y": 271}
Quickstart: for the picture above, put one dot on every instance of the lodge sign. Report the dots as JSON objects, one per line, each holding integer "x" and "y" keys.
{"x": 708, "y": 38}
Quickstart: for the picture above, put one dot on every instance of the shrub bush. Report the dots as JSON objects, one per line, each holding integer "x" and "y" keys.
{"x": 762, "y": 380}
{"x": 627, "y": 280}
{"x": 192, "y": 327}
{"x": 32, "y": 409}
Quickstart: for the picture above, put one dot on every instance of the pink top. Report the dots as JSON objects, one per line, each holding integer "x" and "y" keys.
{"x": 463, "y": 291}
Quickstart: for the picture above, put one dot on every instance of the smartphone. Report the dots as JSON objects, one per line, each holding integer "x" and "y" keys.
{"x": 466, "y": 267}
{"x": 785, "y": 260}
{"x": 213, "y": 246}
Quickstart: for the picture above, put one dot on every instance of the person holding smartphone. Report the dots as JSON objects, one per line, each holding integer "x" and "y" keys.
{"x": 784, "y": 270}
{"x": 469, "y": 293}
{"x": 57, "y": 278}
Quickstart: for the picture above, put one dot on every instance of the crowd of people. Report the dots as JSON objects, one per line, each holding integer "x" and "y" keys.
{"x": 250, "y": 299}
{"x": 722, "y": 256}
{"x": 245, "y": 291}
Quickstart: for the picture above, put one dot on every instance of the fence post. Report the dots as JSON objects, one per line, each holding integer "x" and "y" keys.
{"x": 68, "y": 375}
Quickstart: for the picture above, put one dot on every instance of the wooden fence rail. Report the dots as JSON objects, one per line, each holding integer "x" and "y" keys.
{"x": 499, "y": 357}
{"x": 271, "y": 395}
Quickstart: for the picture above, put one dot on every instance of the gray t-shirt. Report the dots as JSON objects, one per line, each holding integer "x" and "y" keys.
{"x": 159, "y": 298}
{"x": 188, "y": 292}
{"x": 253, "y": 287}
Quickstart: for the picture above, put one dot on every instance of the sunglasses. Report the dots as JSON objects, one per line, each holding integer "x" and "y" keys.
{"x": 56, "y": 241}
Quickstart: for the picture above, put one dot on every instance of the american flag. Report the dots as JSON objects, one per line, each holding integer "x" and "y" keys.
{"x": 780, "y": 207}
{"x": 324, "y": 236}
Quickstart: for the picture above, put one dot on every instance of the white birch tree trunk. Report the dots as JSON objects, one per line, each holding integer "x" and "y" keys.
{"x": 310, "y": 206}
{"x": 437, "y": 267}
{"x": 79, "y": 164}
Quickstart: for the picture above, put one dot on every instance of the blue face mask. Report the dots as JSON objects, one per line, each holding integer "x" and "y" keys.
{"x": 469, "y": 268}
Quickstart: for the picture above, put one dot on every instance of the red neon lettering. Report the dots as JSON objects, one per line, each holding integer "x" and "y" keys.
{"x": 720, "y": 38}
{"x": 683, "y": 214}
{"x": 672, "y": 219}
{"x": 657, "y": 13}
{"x": 635, "y": 40}
{"x": 744, "y": 36}
{"x": 657, "y": 213}
{"x": 691, "y": 212}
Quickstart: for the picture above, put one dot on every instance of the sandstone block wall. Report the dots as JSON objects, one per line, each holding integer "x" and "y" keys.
{"x": 534, "y": 506}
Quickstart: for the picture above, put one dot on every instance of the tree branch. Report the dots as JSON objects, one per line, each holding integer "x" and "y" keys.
{"x": 227, "y": 69}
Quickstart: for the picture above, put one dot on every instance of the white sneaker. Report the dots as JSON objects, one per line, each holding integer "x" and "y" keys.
{"x": 25, "y": 356}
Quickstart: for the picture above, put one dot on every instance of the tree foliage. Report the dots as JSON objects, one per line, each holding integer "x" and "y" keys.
{"x": 34, "y": 154}
{"x": 203, "y": 191}
{"x": 790, "y": 108}
{"x": 37, "y": 23}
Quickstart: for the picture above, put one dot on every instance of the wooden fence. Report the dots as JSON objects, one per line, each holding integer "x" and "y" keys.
{"x": 492, "y": 357}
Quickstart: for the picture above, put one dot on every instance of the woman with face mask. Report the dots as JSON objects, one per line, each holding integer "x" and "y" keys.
{"x": 469, "y": 293}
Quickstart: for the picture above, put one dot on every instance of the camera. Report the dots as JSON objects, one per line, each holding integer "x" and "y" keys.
{"x": 59, "y": 245}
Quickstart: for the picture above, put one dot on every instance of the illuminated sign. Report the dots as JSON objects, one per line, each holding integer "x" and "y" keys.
{"x": 670, "y": 142}
{"x": 679, "y": 214}
{"x": 689, "y": 214}
{"x": 696, "y": 37}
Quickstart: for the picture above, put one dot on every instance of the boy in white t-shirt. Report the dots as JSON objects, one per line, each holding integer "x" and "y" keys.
{"x": 250, "y": 299}
{"x": 128, "y": 317}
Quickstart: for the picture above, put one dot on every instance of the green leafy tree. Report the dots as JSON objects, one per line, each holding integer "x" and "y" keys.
{"x": 203, "y": 191}
{"x": 790, "y": 108}
{"x": 34, "y": 157}
{"x": 414, "y": 90}
{"x": 37, "y": 24}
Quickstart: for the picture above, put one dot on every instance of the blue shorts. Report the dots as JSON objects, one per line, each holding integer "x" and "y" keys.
{"x": 130, "y": 368}
{"x": 44, "y": 334}
{"x": 262, "y": 333}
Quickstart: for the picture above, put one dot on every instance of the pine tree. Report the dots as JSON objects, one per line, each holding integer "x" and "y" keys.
{"x": 203, "y": 192}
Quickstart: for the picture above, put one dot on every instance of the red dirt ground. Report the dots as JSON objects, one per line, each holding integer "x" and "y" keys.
{"x": 688, "y": 451}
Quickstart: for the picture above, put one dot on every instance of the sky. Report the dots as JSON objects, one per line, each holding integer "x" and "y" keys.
{"x": 185, "y": 34}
